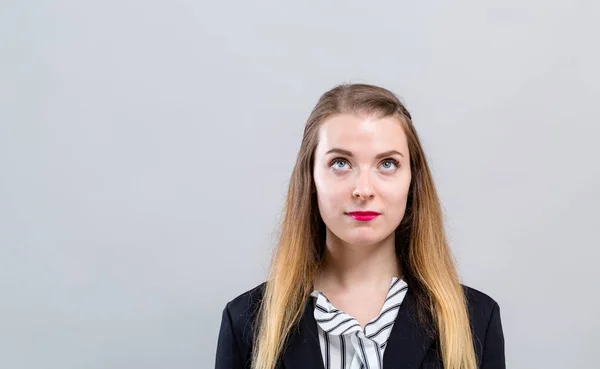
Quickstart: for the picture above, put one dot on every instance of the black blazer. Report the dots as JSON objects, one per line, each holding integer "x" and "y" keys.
{"x": 409, "y": 346}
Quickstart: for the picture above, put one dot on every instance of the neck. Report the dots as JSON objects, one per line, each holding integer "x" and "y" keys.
{"x": 357, "y": 267}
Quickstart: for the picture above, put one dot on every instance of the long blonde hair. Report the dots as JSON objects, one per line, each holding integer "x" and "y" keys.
{"x": 421, "y": 244}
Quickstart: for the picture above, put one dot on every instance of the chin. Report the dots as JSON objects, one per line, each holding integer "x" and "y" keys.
{"x": 360, "y": 236}
{"x": 363, "y": 238}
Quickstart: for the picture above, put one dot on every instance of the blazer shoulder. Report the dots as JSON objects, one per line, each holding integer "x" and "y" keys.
{"x": 247, "y": 301}
{"x": 481, "y": 308}
{"x": 479, "y": 300}
{"x": 236, "y": 334}
{"x": 484, "y": 312}
{"x": 243, "y": 312}
{"x": 486, "y": 325}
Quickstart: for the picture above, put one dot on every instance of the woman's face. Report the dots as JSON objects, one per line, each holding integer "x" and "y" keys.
{"x": 362, "y": 176}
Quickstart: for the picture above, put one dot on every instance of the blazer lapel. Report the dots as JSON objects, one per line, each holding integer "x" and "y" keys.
{"x": 303, "y": 350}
{"x": 408, "y": 342}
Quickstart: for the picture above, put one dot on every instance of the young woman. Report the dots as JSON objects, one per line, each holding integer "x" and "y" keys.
{"x": 362, "y": 276}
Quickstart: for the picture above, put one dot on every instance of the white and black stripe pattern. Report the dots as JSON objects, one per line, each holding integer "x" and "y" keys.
{"x": 344, "y": 343}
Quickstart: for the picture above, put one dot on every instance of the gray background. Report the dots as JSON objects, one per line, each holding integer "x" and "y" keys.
{"x": 145, "y": 149}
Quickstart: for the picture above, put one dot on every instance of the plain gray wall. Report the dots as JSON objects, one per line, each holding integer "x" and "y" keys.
{"x": 145, "y": 149}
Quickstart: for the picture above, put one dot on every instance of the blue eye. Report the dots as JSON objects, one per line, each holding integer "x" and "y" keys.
{"x": 389, "y": 164}
{"x": 339, "y": 164}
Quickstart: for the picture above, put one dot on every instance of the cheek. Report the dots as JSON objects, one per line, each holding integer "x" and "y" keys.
{"x": 400, "y": 207}
{"x": 330, "y": 200}
{"x": 395, "y": 199}
{"x": 399, "y": 198}
{"x": 329, "y": 189}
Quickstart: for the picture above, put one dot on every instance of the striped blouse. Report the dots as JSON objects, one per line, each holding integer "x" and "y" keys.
{"x": 344, "y": 343}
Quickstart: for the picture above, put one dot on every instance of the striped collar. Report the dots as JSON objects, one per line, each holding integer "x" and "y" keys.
{"x": 336, "y": 322}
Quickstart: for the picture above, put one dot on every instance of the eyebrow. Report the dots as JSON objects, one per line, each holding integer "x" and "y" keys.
{"x": 378, "y": 156}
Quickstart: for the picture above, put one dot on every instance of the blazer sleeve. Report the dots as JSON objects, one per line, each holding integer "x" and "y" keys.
{"x": 493, "y": 349}
{"x": 228, "y": 352}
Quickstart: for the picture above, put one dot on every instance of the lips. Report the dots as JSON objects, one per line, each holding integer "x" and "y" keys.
{"x": 363, "y": 216}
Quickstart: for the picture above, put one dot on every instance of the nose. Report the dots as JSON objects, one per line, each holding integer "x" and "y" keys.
{"x": 363, "y": 189}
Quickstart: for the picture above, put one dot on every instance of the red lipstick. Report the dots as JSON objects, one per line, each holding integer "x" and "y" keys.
{"x": 363, "y": 216}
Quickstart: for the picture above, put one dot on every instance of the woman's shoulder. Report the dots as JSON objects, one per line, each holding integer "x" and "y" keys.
{"x": 239, "y": 320}
{"x": 242, "y": 310}
{"x": 246, "y": 303}
{"x": 484, "y": 313}
{"x": 479, "y": 300}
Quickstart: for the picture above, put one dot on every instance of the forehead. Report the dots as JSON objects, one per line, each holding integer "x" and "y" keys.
{"x": 357, "y": 133}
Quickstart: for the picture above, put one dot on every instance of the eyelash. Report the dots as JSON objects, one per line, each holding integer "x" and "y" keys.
{"x": 394, "y": 161}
